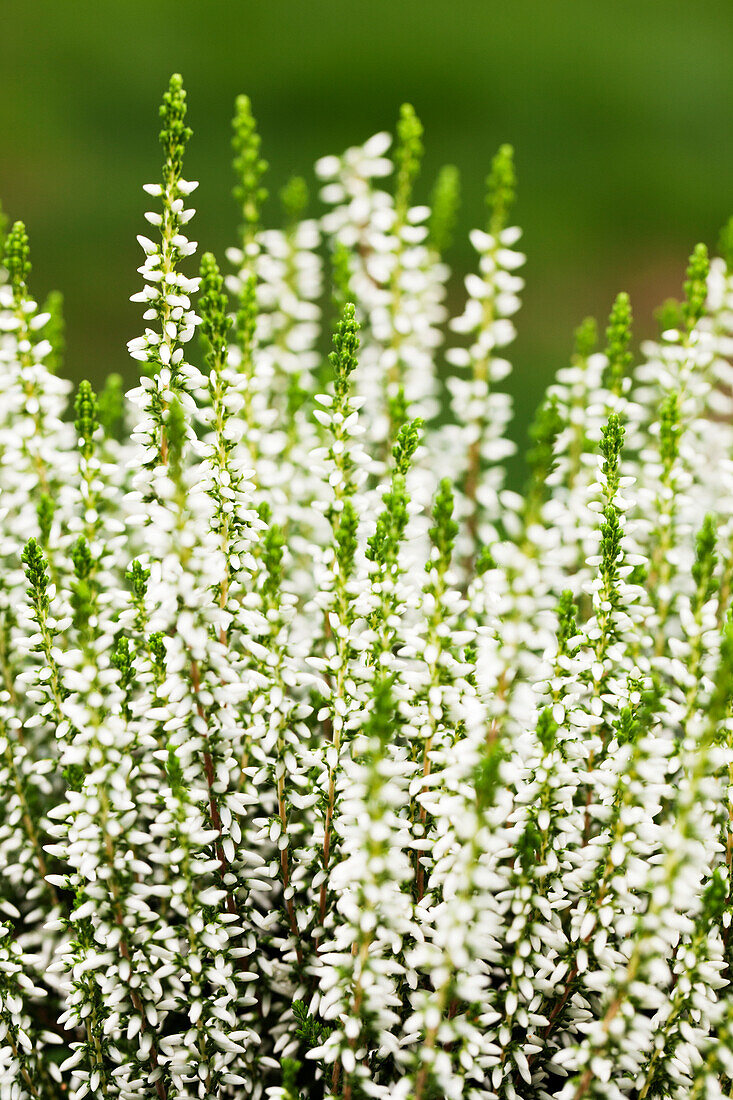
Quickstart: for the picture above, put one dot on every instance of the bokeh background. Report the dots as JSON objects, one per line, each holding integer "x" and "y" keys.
{"x": 620, "y": 112}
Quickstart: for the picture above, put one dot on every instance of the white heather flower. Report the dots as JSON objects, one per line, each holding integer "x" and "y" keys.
{"x": 331, "y": 766}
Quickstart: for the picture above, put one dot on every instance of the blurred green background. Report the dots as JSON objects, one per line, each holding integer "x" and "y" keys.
{"x": 619, "y": 112}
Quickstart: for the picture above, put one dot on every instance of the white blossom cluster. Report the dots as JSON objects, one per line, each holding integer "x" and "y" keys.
{"x": 331, "y": 766}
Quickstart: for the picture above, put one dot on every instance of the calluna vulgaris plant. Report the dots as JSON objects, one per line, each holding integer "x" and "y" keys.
{"x": 325, "y": 775}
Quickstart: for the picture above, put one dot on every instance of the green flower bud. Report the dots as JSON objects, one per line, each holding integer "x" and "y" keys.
{"x": 501, "y": 184}
{"x": 444, "y": 203}
{"x": 618, "y": 337}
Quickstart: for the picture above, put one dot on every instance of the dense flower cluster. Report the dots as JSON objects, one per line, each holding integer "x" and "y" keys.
{"x": 331, "y": 766}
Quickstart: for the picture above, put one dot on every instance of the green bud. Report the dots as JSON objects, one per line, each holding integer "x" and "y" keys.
{"x": 343, "y": 357}
{"x": 444, "y": 203}
{"x": 407, "y": 442}
{"x": 669, "y": 315}
{"x": 548, "y": 424}
{"x": 696, "y": 286}
{"x": 611, "y": 534}
{"x": 156, "y": 645}
{"x": 378, "y": 543}
{"x": 137, "y": 577}
{"x": 722, "y": 691}
{"x": 612, "y": 441}
{"x": 529, "y": 844}
{"x": 706, "y": 559}
{"x": 87, "y": 418}
{"x": 175, "y": 423}
{"x": 45, "y": 510}
{"x": 345, "y": 535}
{"x": 715, "y": 898}
{"x": 273, "y": 549}
{"x": 111, "y": 407}
{"x": 82, "y": 559}
{"x": 380, "y": 721}
{"x": 407, "y": 158}
{"x": 82, "y": 598}
{"x": 212, "y": 306}
{"x": 17, "y": 260}
{"x": 36, "y": 567}
{"x": 174, "y": 771}
{"x": 121, "y": 658}
{"x": 567, "y": 624}
{"x": 384, "y": 544}
{"x": 249, "y": 168}
{"x": 618, "y": 337}
{"x": 175, "y": 134}
{"x": 501, "y": 184}
{"x": 586, "y": 338}
{"x": 484, "y": 561}
{"x": 670, "y": 430}
{"x": 626, "y": 727}
{"x": 487, "y": 775}
{"x": 294, "y": 199}
{"x": 444, "y": 530}
{"x": 398, "y": 410}
{"x": 546, "y": 729}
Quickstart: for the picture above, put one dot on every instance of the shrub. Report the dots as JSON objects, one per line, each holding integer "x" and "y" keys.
{"x": 331, "y": 766}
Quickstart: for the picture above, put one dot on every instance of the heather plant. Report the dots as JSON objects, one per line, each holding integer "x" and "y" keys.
{"x": 332, "y": 766}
